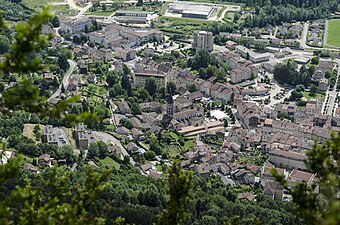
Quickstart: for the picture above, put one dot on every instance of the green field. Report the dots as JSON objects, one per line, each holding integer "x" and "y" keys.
{"x": 34, "y": 3}
{"x": 96, "y": 13}
{"x": 308, "y": 96}
{"x": 333, "y": 33}
{"x": 110, "y": 163}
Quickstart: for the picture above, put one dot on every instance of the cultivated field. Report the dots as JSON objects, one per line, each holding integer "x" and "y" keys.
{"x": 333, "y": 37}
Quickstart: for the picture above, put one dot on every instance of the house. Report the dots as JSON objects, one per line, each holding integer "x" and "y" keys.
{"x": 203, "y": 169}
{"x": 323, "y": 85}
{"x": 91, "y": 79}
{"x": 122, "y": 130}
{"x": 125, "y": 54}
{"x": 231, "y": 45}
{"x": 146, "y": 167}
{"x": 123, "y": 107}
{"x": 151, "y": 107}
{"x": 325, "y": 66}
{"x": 246, "y": 196}
{"x": 83, "y": 137}
{"x": 45, "y": 160}
{"x": 83, "y": 68}
{"x": 132, "y": 147}
{"x": 73, "y": 84}
{"x": 31, "y": 168}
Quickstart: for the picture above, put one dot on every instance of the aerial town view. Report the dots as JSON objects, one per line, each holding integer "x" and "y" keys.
{"x": 203, "y": 112}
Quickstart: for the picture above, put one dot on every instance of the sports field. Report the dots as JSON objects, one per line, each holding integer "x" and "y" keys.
{"x": 333, "y": 37}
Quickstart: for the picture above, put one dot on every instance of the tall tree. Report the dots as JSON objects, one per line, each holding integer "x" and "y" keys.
{"x": 151, "y": 86}
{"x": 179, "y": 187}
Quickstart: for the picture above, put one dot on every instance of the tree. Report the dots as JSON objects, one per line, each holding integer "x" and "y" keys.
{"x": 225, "y": 123}
{"x": 323, "y": 208}
{"x": 4, "y": 44}
{"x": 192, "y": 88}
{"x": 171, "y": 88}
{"x": 313, "y": 89}
{"x": 62, "y": 62}
{"x": 111, "y": 79}
{"x": 135, "y": 108}
{"x": 57, "y": 201}
{"x": 104, "y": 7}
{"x": 315, "y": 60}
{"x": 76, "y": 39}
{"x": 140, "y": 3}
{"x": 151, "y": 85}
{"x": 179, "y": 186}
{"x": 55, "y": 21}
{"x": 115, "y": 91}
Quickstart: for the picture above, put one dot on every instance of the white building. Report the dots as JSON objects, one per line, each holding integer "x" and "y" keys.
{"x": 73, "y": 26}
{"x": 203, "y": 40}
{"x": 253, "y": 56}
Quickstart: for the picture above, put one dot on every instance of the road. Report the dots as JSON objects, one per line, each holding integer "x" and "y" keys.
{"x": 65, "y": 80}
{"x": 328, "y": 109}
{"x": 304, "y": 34}
{"x": 109, "y": 138}
{"x": 81, "y": 10}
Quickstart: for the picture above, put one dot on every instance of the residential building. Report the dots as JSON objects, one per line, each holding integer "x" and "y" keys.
{"x": 140, "y": 77}
{"x": 73, "y": 26}
{"x": 125, "y": 54}
{"x": 83, "y": 137}
{"x": 203, "y": 40}
{"x": 287, "y": 159}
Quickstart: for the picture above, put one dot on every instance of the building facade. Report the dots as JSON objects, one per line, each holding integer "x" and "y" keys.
{"x": 203, "y": 40}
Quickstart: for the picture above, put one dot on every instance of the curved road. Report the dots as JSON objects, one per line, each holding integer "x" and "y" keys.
{"x": 81, "y": 10}
{"x": 65, "y": 80}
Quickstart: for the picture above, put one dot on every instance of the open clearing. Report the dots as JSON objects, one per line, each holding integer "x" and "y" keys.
{"x": 333, "y": 37}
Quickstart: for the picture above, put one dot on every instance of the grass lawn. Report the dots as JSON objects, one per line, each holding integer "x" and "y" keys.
{"x": 333, "y": 37}
{"x": 184, "y": 26}
{"x": 307, "y": 95}
{"x": 68, "y": 132}
{"x": 110, "y": 163}
{"x": 34, "y": 3}
{"x": 28, "y": 130}
{"x": 96, "y": 13}
{"x": 111, "y": 127}
{"x": 229, "y": 15}
{"x": 174, "y": 135}
{"x": 244, "y": 159}
{"x": 188, "y": 145}
{"x": 63, "y": 10}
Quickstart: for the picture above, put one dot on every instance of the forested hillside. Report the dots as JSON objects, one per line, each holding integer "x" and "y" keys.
{"x": 14, "y": 10}
{"x": 277, "y": 11}
{"x": 139, "y": 199}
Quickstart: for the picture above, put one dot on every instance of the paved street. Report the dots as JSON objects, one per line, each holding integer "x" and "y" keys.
{"x": 65, "y": 80}
{"x": 328, "y": 109}
{"x": 304, "y": 34}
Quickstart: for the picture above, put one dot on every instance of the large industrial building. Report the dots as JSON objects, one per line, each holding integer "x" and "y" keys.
{"x": 203, "y": 40}
{"x": 191, "y": 10}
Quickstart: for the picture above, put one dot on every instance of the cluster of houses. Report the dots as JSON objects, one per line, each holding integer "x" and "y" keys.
{"x": 315, "y": 33}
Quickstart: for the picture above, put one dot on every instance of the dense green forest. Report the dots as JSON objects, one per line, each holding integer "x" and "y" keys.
{"x": 14, "y": 10}
{"x": 139, "y": 199}
{"x": 277, "y": 11}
